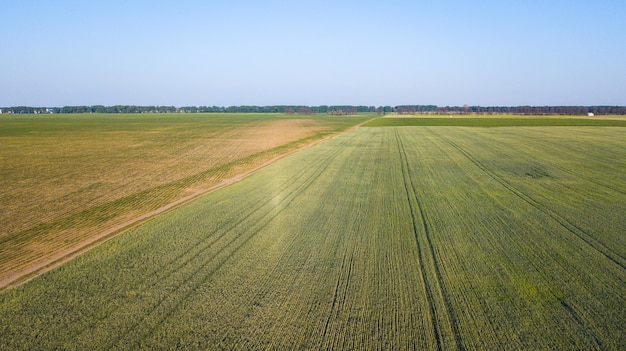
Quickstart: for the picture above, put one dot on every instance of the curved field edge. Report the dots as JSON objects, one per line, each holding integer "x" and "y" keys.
{"x": 56, "y": 238}
{"x": 382, "y": 238}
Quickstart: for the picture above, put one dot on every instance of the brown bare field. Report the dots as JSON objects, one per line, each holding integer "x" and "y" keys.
{"x": 69, "y": 181}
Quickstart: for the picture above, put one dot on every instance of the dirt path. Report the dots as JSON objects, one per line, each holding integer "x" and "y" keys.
{"x": 64, "y": 256}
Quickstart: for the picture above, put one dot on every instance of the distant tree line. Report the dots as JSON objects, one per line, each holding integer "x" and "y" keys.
{"x": 330, "y": 110}
{"x": 28, "y": 110}
{"x": 514, "y": 110}
{"x": 118, "y": 109}
{"x": 293, "y": 109}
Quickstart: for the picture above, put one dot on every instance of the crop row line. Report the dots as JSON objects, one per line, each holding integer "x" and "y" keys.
{"x": 62, "y": 232}
{"x": 592, "y": 180}
{"x": 512, "y": 255}
{"x": 581, "y": 324}
{"x": 412, "y": 197}
{"x": 174, "y": 265}
{"x": 538, "y": 145}
{"x": 571, "y": 227}
{"x": 535, "y": 146}
{"x": 228, "y": 249}
{"x": 303, "y": 185}
{"x": 427, "y": 287}
{"x": 346, "y": 269}
{"x": 132, "y": 186}
{"x": 207, "y": 242}
{"x": 226, "y": 228}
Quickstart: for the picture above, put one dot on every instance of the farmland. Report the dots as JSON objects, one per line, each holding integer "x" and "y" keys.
{"x": 67, "y": 179}
{"x": 407, "y": 236}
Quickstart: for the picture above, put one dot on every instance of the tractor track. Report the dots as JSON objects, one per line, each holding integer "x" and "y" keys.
{"x": 426, "y": 244}
{"x": 571, "y": 227}
{"x": 228, "y": 250}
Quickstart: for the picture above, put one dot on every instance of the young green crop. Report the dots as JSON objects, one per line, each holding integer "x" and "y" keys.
{"x": 495, "y": 121}
{"x": 382, "y": 238}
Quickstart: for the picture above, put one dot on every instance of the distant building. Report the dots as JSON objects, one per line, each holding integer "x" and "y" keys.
{"x": 590, "y": 114}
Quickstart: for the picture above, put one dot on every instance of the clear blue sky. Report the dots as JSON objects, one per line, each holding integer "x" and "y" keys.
{"x": 239, "y": 52}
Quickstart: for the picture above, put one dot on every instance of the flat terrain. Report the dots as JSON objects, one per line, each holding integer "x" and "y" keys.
{"x": 498, "y": 121}
{"x": 403, "y": 237}
{"x": 67, "y": 179}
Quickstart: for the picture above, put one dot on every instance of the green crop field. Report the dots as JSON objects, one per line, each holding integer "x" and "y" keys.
{"x": 68, "y": 180}
{"x": 392, "y": 238}
{"x": 498, "y": 121}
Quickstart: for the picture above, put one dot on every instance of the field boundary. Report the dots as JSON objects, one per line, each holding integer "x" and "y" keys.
{"x": 500, "y": 121}
{"x": 64, "y": 256}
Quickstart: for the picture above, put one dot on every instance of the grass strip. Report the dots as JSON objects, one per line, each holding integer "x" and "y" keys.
{"x": 494, "y": 122}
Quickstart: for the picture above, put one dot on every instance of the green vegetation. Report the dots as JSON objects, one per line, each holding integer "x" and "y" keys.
{"x": 382, "y": 238}
{"x": 66, "y": 179}
{"x": 497, "y": 121}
